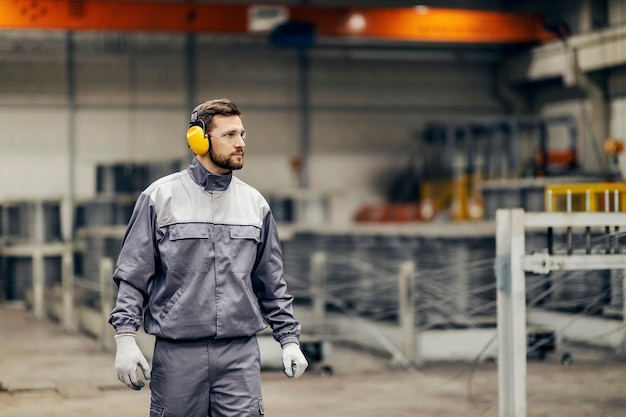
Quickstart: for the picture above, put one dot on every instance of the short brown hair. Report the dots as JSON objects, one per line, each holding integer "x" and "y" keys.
{"x": 220, "y": 106}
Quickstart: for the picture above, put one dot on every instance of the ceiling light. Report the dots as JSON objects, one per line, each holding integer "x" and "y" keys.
{"x": 356, "y": 23}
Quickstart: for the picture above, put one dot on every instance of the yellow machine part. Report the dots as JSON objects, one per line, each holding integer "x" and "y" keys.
{"x": 461, "y": 195}
{"x": 603, "y": 197}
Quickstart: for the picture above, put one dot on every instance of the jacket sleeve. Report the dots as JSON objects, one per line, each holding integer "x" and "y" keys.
{"x": 270, "y": 287}
{"x": 135, "y": 267}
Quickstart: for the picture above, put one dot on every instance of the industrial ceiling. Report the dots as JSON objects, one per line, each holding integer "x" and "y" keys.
{"x": 298, "y": 23}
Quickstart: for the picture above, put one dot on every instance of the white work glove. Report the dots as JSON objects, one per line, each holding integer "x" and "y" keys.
{"x": 294, "y": 362}
{"x": 127, "y": 358}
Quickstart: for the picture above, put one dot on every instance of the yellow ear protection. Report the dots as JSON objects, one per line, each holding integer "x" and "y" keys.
{"x": 197, "y": 136}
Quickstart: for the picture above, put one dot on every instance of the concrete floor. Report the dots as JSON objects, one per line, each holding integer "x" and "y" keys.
{"x": 45, "y": 372}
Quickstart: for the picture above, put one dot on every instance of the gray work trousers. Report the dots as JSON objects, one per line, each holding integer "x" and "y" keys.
{"x": 208, "y": 377}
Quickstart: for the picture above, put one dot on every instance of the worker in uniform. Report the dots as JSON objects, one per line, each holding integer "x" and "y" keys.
{"x": 201, "y": 265}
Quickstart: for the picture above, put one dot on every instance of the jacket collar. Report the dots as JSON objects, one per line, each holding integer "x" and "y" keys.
{"x": 206, "y": 179}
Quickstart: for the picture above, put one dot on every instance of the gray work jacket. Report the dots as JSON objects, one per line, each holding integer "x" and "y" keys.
{"x": 201, "y": 253}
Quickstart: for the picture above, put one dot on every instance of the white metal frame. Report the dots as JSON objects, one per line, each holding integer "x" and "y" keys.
{"x": 511, "y": 265}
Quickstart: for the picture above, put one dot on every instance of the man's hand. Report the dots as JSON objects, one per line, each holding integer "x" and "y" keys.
{"x": 127, "y": 358}
{"x": 294, "y": 362}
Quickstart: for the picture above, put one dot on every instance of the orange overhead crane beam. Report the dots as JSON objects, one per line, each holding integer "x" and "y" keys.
{"x": 420, "y": 24}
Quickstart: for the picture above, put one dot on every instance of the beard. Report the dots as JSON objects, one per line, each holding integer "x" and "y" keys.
{"x": 225, "y": 162}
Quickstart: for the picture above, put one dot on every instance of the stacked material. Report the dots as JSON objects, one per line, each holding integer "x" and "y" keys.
{"x": 454, "y": 278}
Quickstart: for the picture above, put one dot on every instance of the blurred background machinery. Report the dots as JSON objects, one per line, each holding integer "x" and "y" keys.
{"x": 465, "y": 170}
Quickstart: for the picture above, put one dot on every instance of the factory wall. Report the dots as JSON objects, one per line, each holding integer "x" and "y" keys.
{"x": 131, "y": 95}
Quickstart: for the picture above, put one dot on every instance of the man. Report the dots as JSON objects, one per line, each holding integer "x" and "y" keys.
{"x": 201, "y": 256}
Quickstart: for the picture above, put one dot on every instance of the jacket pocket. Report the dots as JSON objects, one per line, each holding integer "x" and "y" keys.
{"x": 187, "y": 247}
{"x": 171, "y": 303}
{"x": 157, "y": 411}
{"x": 181, "y": 231}
{"x": 244, "y": 241}
{"x": 257, "y": 409}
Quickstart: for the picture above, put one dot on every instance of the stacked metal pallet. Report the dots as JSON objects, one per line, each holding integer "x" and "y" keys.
{"x": 101, "y": 221}
{"x": 26, "y": 227}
